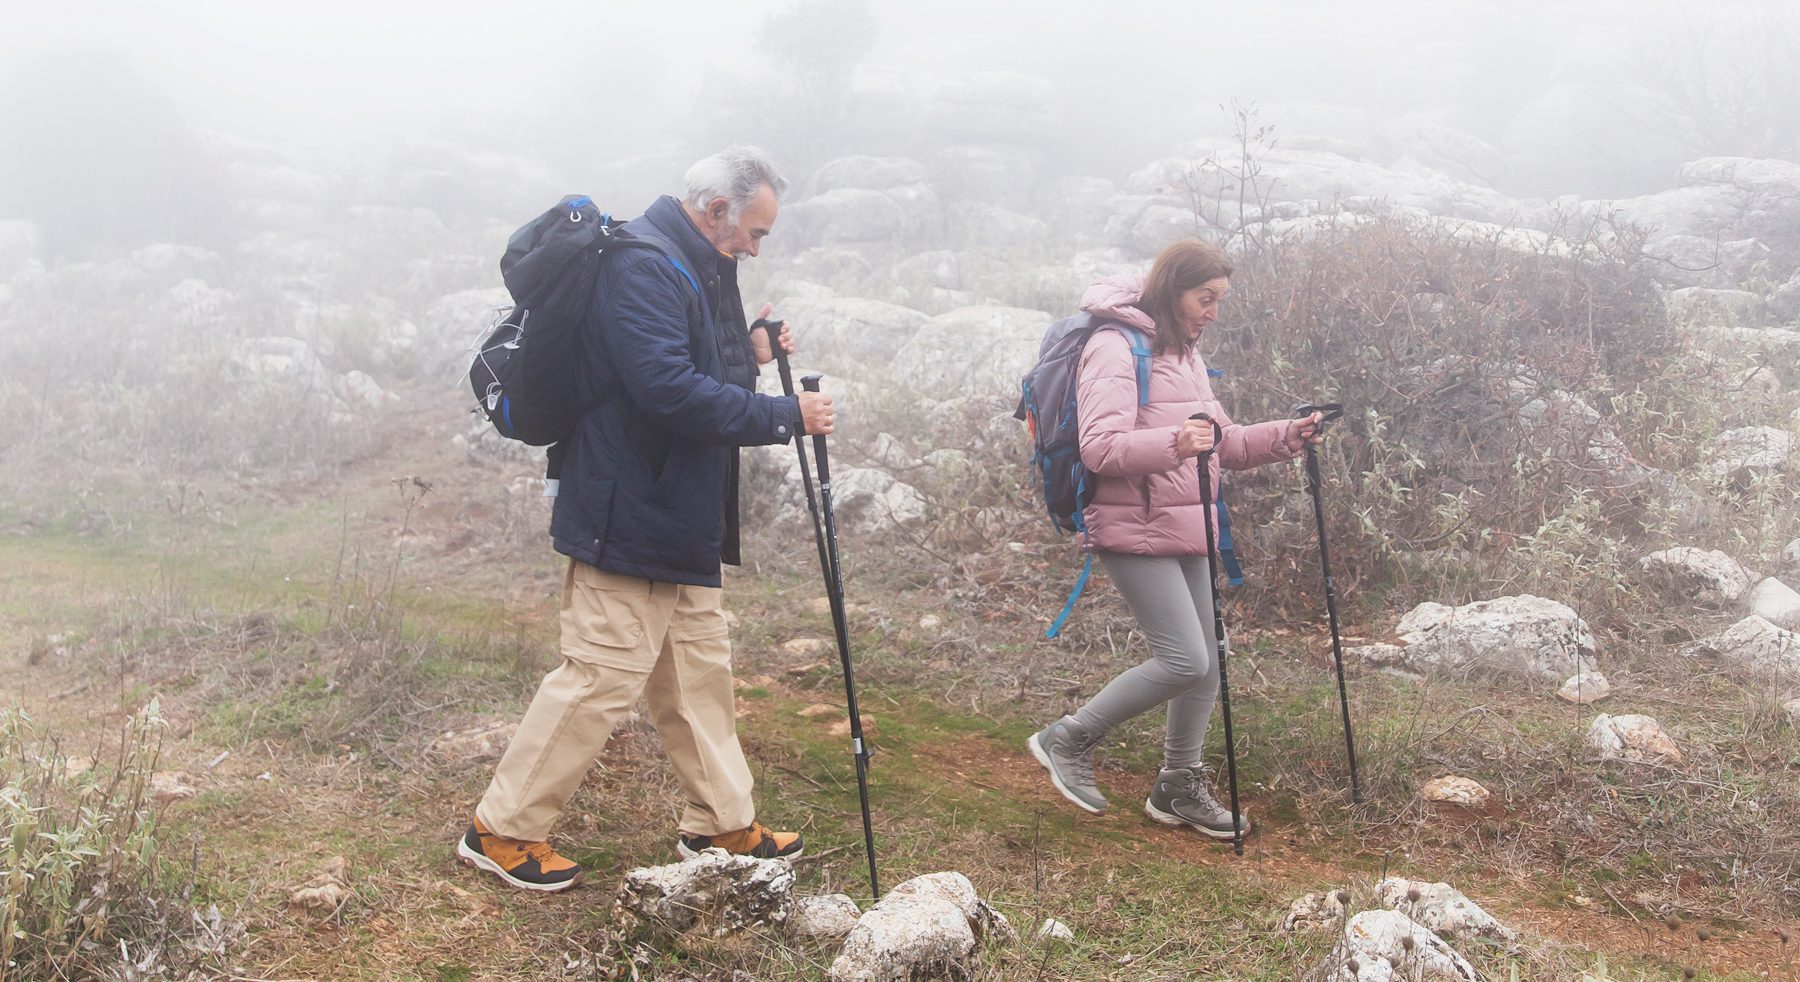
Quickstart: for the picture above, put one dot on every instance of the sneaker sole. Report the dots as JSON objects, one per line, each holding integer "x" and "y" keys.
{"x": 470, "y": 857}
{"x": 1043, "y": 757}
{"x": 1170, "y": 818}
{"x": 682, "y": 850}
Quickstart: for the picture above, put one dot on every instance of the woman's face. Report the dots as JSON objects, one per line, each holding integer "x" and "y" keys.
{"x": 1199, "y": 306}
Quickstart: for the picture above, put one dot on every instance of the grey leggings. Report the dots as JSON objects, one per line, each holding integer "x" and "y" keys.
{"x": 1172, "y": 600}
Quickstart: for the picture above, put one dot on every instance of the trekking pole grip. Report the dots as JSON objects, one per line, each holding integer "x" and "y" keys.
{"x": 1218, "y": 433}
{"x": 811, "y": 384}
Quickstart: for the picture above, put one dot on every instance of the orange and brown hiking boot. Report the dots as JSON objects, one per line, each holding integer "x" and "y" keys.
{"x": 753, "y": 841}
{"x": 526, "y": 865}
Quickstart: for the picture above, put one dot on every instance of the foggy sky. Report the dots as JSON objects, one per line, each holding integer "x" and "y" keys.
{"x": 341, "y": 77}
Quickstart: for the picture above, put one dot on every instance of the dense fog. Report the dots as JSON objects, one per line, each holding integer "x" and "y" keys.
{"x": 115, "y": 108}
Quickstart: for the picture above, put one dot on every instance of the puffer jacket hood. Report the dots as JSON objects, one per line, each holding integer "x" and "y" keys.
{"x": 1115, "y": 297}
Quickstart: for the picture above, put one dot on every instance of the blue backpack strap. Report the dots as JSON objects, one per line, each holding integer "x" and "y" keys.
{"x": 1234, "y": 572}
{"x": 1087, "y": 565}
{"x": 1141, "y": 354}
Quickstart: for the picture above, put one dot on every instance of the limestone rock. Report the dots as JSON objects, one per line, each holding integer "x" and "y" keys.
{"x": 1696, "y": 305}
{"x": 1707, "y": 576}
{"x": 1585, "y": 688}
{"x": 1454, "y": 790}
{"x": 167, "y": 786}
{"x": 831, "y": 917}
{"x": 1777, "y": 603}
{"x": 806, "y": 646}
{"x": 956, "y": 888}
{"x": 1442, "y": 908}
{"x": 485, "y": 741}
{"x": 928, "y": 927}
{"x": 1792, "y": 708}
{"x": 1373, "y": 950}
{"x": 1632, "y": 738}
{"x": 1315, "y": 912}
{"x": 904, "y": 939}
{"x": 996, "y": 346}
{"x": 326, "y": 893}
{"x": 1054, "y": 930}
{"x": 1749, "y": 451}
{"x": 715, "y": 892}
{"x": 1756, "y": 643}
{"x": 1506, "y": 635}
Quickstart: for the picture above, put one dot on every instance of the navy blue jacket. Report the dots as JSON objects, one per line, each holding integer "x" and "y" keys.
{"x": 649, "y": 477}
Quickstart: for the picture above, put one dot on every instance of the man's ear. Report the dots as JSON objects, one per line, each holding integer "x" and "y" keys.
{"x": 718, "y": 210}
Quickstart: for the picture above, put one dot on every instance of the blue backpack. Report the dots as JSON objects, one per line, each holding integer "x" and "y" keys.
{"x": 1047, "y": 405}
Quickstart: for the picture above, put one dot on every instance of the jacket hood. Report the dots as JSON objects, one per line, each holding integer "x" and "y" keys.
{"x": 1113, "y": 297}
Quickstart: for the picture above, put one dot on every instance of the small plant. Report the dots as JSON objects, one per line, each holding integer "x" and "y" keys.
{"x": 88, "y": 890}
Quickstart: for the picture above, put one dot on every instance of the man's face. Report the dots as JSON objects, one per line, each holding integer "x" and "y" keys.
{"x": 742, "y": 239}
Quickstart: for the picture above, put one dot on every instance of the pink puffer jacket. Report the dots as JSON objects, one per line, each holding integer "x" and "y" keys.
{"x": 1148, "y": 502}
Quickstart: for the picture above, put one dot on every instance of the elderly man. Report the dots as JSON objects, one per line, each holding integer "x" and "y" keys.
{"x": 646, "y": 512}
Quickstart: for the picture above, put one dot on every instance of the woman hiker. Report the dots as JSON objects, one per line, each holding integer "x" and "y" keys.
{"x": 1144, "y": 522}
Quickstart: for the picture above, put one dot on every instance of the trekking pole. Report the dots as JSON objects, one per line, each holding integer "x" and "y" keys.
{"x": 787, "y": 388}
{"x": 1212, "y": 579}
{"x": 1314, "y": 485}
{"x": 834, "y": 591}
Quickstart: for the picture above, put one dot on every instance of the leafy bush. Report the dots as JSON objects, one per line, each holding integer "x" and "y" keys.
{"x": 89, "y": 891}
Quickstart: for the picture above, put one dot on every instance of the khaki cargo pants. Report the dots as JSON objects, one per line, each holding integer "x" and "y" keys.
{"x": 624, "y": 636}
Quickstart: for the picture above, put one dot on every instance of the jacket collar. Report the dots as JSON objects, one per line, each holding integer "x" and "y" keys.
{"x": 669, "y": 218}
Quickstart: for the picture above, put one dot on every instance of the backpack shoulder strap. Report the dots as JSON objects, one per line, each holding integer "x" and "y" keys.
{"x": 640, "y": 241}
{"x": 1140, "y": 356}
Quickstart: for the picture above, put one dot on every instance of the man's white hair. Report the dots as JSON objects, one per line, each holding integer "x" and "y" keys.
{"x": 735, "y": 174}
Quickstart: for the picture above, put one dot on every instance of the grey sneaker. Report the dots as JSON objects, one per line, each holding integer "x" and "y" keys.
{"x": 1181, "y": 797}
{"x": 1066, "y": 749}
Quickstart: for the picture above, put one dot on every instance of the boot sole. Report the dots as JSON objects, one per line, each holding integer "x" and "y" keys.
{"x": 682, "y": 850}
{"x": 1170, "y": 818}
{"x": 475, "y": 859}
{"x": 1043, "y": 757}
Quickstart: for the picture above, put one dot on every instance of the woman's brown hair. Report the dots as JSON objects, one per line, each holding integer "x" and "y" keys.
{"x": 1179, "y": 268}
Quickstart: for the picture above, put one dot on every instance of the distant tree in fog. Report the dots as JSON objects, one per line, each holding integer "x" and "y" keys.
{"x": 1726, "y": 87}
{"x": 798, "y": 106}
{"x": 96, "y": 154}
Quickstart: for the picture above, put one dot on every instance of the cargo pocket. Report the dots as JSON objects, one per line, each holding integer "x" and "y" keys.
{"x": 603, "y": 619}
{"x": 699, "y": 616}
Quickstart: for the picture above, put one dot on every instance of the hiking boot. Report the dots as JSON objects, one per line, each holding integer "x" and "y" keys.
{"x": 754, "y": 841}
{"x": 526, "y": 865}
{"x": 1066, "y": 749}
{"x": 1181, "y": 797}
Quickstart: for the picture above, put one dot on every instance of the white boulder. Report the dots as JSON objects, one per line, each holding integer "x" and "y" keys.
{"x": 1585, "y": 688}
{"x": 830, "y": 917}
{"x": 1054, "y": 930}
{"x": 1748, "y": 452}
{"x": 1315, "y": 912}
{"x": 847, "y": 334}
{"x": 1504, "y": 635}
{"x": 715, "y": 892}
{"x": 1706, "y": 576}
{"x": 1632, "y": 738}
{"x": 1386, "y": 945}
{"x": 848, "y": 215}
{"x": 1777, "y": 603}
{"x": 1442, "y": 908}
{"x": 994, "y": 347}
{"x": 1756, "y": 643}
{"x": 928, "y": 927}
{"x": 1453, "y": 790}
